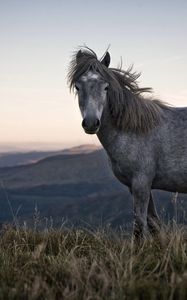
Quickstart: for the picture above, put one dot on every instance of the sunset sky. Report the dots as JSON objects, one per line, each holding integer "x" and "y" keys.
{"x": 37, "y": 38}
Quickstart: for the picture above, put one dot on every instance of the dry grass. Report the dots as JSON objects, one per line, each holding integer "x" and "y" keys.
{"x": 77, "y": 264}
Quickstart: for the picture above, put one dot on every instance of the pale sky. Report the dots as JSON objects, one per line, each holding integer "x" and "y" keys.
{"x": 37, "y": 38}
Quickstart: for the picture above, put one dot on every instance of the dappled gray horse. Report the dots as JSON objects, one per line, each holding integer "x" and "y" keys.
{"x": 145, "y": 139}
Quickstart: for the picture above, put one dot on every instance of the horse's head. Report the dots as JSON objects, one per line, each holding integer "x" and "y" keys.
{"x": 92, "y": 94}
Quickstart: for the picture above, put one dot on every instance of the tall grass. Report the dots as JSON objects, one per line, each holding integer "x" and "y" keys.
{"x": 76, "y": 264}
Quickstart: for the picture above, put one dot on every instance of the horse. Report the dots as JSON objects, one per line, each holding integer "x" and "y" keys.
{"x": 144, "y": 137}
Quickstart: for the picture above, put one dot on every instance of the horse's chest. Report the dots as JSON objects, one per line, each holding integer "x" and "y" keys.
{"x": 123, "y": 171}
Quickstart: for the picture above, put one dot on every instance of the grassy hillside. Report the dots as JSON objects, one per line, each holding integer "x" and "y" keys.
{"x": 76, "y": 264}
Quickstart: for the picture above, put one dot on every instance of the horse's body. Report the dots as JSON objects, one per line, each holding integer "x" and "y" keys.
{"x": 146, "y": 140}
{"x": 160, "y": 155}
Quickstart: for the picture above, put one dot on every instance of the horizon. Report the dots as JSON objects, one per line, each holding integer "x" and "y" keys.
{"x": 40, "y": 147}
{"x": 38, "y": 39}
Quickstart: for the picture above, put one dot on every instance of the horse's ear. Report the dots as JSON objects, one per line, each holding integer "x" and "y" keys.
{"x": 79, "y": 55}
{"x": 106, "y": 60}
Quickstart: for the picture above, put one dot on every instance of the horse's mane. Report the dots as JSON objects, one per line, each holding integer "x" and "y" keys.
{"x": 130, "y": 109}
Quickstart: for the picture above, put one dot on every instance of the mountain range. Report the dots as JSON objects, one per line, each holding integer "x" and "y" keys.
{"x": 75, "y": 185}
{"x": 9, "y": 159}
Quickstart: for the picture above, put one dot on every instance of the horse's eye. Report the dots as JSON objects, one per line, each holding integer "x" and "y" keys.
{"x": 106, "y": 88}
{"x": 77, "y": 88}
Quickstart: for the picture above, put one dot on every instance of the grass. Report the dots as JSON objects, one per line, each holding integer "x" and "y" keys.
{"x": 82, "y": 265}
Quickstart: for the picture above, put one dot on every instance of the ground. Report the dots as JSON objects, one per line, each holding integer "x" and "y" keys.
{"x": 75, "y": 264}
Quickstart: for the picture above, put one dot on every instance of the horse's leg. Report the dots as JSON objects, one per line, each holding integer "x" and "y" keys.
{"x": 153, "y": 220}
{"x": 141, "y": 193}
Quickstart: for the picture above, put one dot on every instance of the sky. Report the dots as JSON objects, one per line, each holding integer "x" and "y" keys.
{"x": 37, "y": 39}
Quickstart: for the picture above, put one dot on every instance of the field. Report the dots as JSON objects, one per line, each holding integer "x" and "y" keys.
{"x": 76, "y": 264}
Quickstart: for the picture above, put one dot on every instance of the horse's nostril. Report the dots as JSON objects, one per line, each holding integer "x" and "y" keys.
{"x": 84, "y": 123}
{"x": 97, "y": 123}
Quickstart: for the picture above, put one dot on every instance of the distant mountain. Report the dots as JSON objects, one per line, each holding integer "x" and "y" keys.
{"x": 18, "y": 158}
{"x": 59, "y": 169}
{"x": 81, "y": 149}
{"x": 10, "y": 159}
{"x": 75, "y": 184}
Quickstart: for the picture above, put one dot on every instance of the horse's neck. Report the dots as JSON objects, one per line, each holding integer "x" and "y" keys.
{"x": 107, "y": 132}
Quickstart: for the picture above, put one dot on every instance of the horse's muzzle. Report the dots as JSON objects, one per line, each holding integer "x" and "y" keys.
{"x": 91, "y": 126}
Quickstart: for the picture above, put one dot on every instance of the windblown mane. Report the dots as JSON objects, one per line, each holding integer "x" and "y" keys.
{"x": 130, "y": 109}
